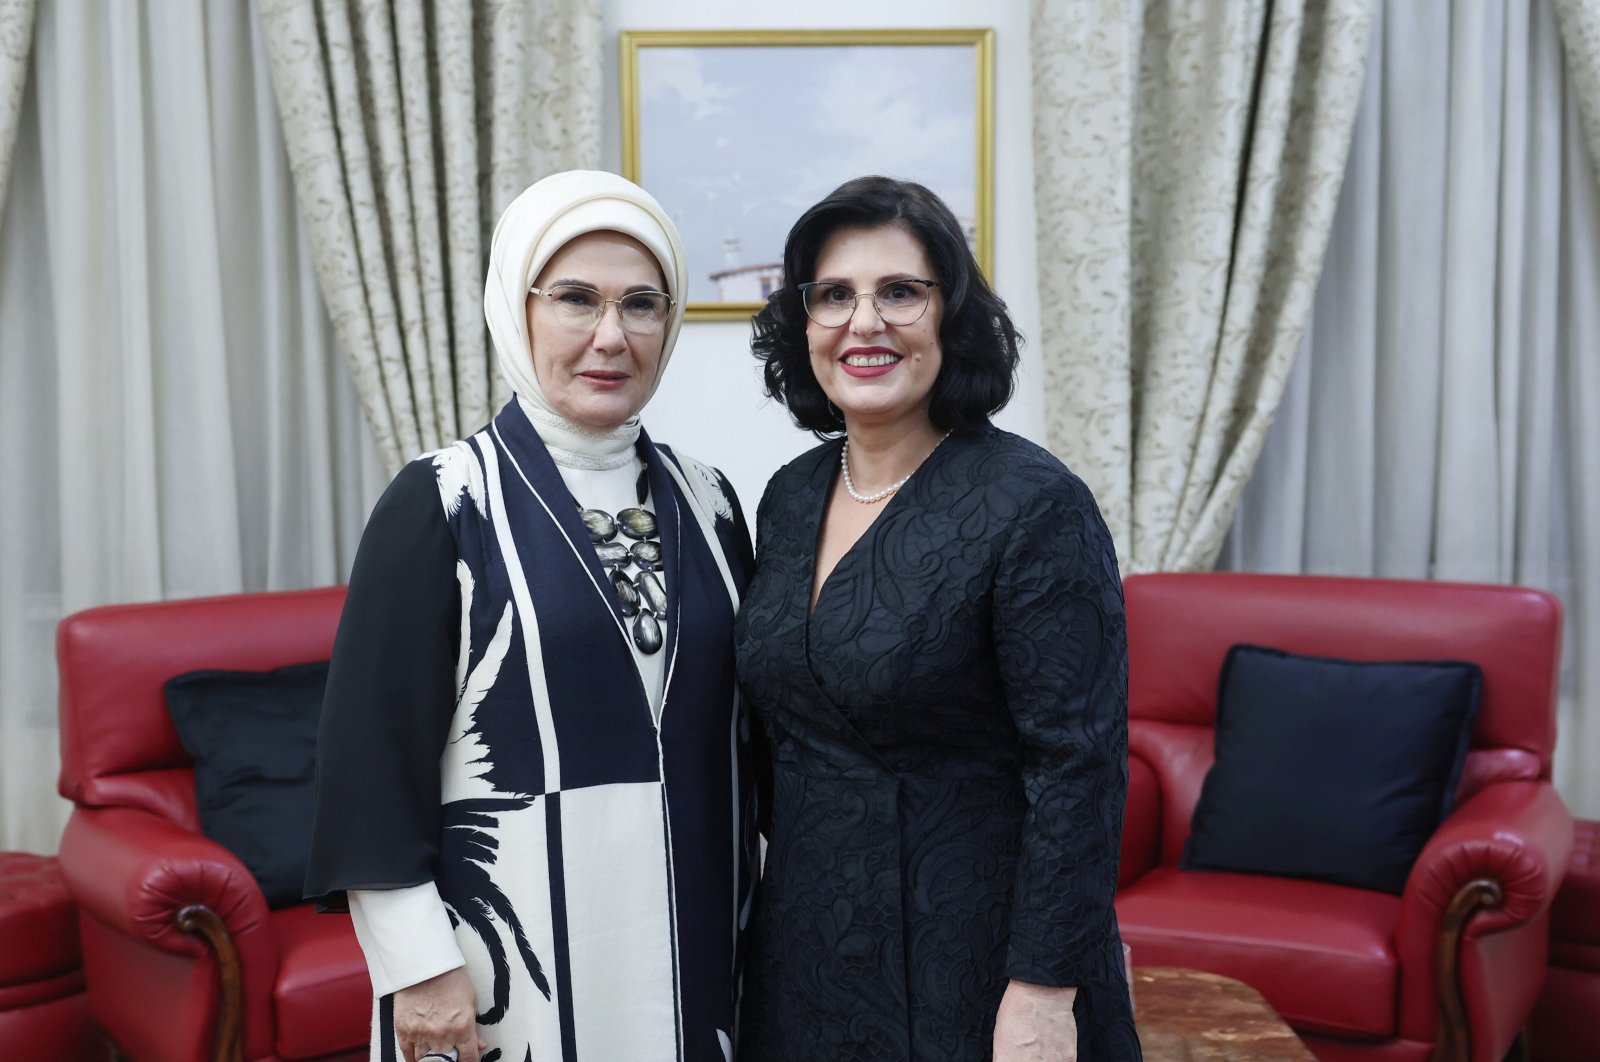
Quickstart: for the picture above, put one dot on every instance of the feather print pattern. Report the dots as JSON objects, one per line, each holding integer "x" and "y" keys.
{"x": 707, "y": 486}
{"x": 482, "y": 678}
{"x": 475, "y": 822}
{"x": 475, "y": 687}
{"x": 458, "y": 473}
{"x": 465, "y": 582}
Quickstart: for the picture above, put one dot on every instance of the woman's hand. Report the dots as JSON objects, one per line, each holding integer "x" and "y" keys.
{"x": 438, "y": 1014}
{"x": 1035, "y": 1024}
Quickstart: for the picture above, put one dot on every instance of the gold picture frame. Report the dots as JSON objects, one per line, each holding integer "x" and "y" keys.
{"x": 692, "y": 102}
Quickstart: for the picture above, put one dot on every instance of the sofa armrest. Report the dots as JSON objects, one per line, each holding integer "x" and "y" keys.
{"x": 134, "y": 872}
{"x": 1516, "y": 834}
{"x": 165, "y": 889}
{"x": 1492, "y": 867}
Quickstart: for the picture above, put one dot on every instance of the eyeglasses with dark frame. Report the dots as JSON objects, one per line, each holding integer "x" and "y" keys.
{"x": 644, "y": 313}
{"x": 899, "y": 302}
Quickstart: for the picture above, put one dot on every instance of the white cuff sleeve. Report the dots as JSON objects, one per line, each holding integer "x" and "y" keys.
{"x": 405, "y": 935}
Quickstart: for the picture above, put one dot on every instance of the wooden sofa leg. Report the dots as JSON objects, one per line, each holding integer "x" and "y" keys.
{"x": 202, "y": 921}
{"x": 1455, "y": 1037}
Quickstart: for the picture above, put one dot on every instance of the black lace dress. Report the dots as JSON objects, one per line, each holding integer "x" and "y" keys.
{"x": 946, "y": 737}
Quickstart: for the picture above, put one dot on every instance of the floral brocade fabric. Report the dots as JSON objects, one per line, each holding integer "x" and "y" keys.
{"x": 946, "y": 746}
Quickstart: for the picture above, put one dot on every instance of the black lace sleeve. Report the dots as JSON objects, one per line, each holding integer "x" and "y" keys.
{"x": 1061, "y": 641}
{"x": 390, "y": 695}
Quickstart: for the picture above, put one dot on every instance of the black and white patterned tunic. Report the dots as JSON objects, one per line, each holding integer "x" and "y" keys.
{"x": 596, "y": 865}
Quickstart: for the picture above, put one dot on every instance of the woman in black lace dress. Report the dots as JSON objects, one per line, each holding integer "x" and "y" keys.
{"x": 934, "y": 649}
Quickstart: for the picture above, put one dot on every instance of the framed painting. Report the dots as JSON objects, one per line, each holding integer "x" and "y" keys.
{"x": 737, "y": 132}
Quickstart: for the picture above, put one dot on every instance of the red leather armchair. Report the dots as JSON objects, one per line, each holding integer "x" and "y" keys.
{"x": 1451, "y": 968}
{"x": 183, "y": 959}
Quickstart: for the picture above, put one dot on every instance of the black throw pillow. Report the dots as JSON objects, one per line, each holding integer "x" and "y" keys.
{"x": 1335, "y": 770}
{"x": 253, "y": 738}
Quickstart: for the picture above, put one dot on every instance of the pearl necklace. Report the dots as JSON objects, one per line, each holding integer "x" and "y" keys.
{"x": 872, "y": 499}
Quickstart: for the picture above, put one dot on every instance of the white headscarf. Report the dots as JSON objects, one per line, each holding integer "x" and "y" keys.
{"x": 538, "y": 223}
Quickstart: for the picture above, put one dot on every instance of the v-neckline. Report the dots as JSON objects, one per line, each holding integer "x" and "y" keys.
{"x": 814, "y": 590}
{"x": 543, "y": 479}
{"x": 819, "y": 513}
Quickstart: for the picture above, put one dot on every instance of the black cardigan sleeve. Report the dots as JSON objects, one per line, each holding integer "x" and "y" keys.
{"x": 390, "y": 696}
{"x": 1061, "y": 638}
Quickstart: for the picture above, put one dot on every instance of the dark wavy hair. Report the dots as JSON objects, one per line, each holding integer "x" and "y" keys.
{"x": 978, "y": 342}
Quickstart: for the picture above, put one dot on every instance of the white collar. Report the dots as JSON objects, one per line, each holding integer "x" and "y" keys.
{"x": 574, "y": 447}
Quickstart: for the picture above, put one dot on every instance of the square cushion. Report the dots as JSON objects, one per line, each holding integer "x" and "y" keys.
{"x": 323, "y": 998}
{"x": 253, "y": 738}
{"x": 1332, "y": 770}
{"x": 1322, "y": 955}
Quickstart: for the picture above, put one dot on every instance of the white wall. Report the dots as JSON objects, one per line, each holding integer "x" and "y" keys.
{"x": 711, "y": 404}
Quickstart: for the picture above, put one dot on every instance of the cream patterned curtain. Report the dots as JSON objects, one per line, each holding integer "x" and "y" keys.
{"x": 410, "y": 125}
{"x": 16, "y": 36}
{"x": 1187, "y": 157}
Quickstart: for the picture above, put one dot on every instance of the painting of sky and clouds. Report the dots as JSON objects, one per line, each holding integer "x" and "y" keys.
{"x": 737, "y": 141}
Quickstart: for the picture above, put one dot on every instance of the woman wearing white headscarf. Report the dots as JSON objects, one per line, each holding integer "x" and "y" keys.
{"x": 530, "y": 785}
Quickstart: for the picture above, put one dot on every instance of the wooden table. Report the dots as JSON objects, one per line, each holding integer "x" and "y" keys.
{"x": 1193, "y": 1016}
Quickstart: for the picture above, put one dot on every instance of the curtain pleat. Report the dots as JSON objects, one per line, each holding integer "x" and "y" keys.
{"x": 1576, "y": 539}
{"x": 1085, "y": 57}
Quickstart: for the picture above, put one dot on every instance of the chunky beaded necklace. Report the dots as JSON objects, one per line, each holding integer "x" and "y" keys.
{"x": 873, "y": 499}
{"x": 641, "y": 596}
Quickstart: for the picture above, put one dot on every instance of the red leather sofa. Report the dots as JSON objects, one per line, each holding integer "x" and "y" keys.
{"x": 1451, "y": 968}
{"x": 183, "y": 959}
{"x": 1564, "y": 1027}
